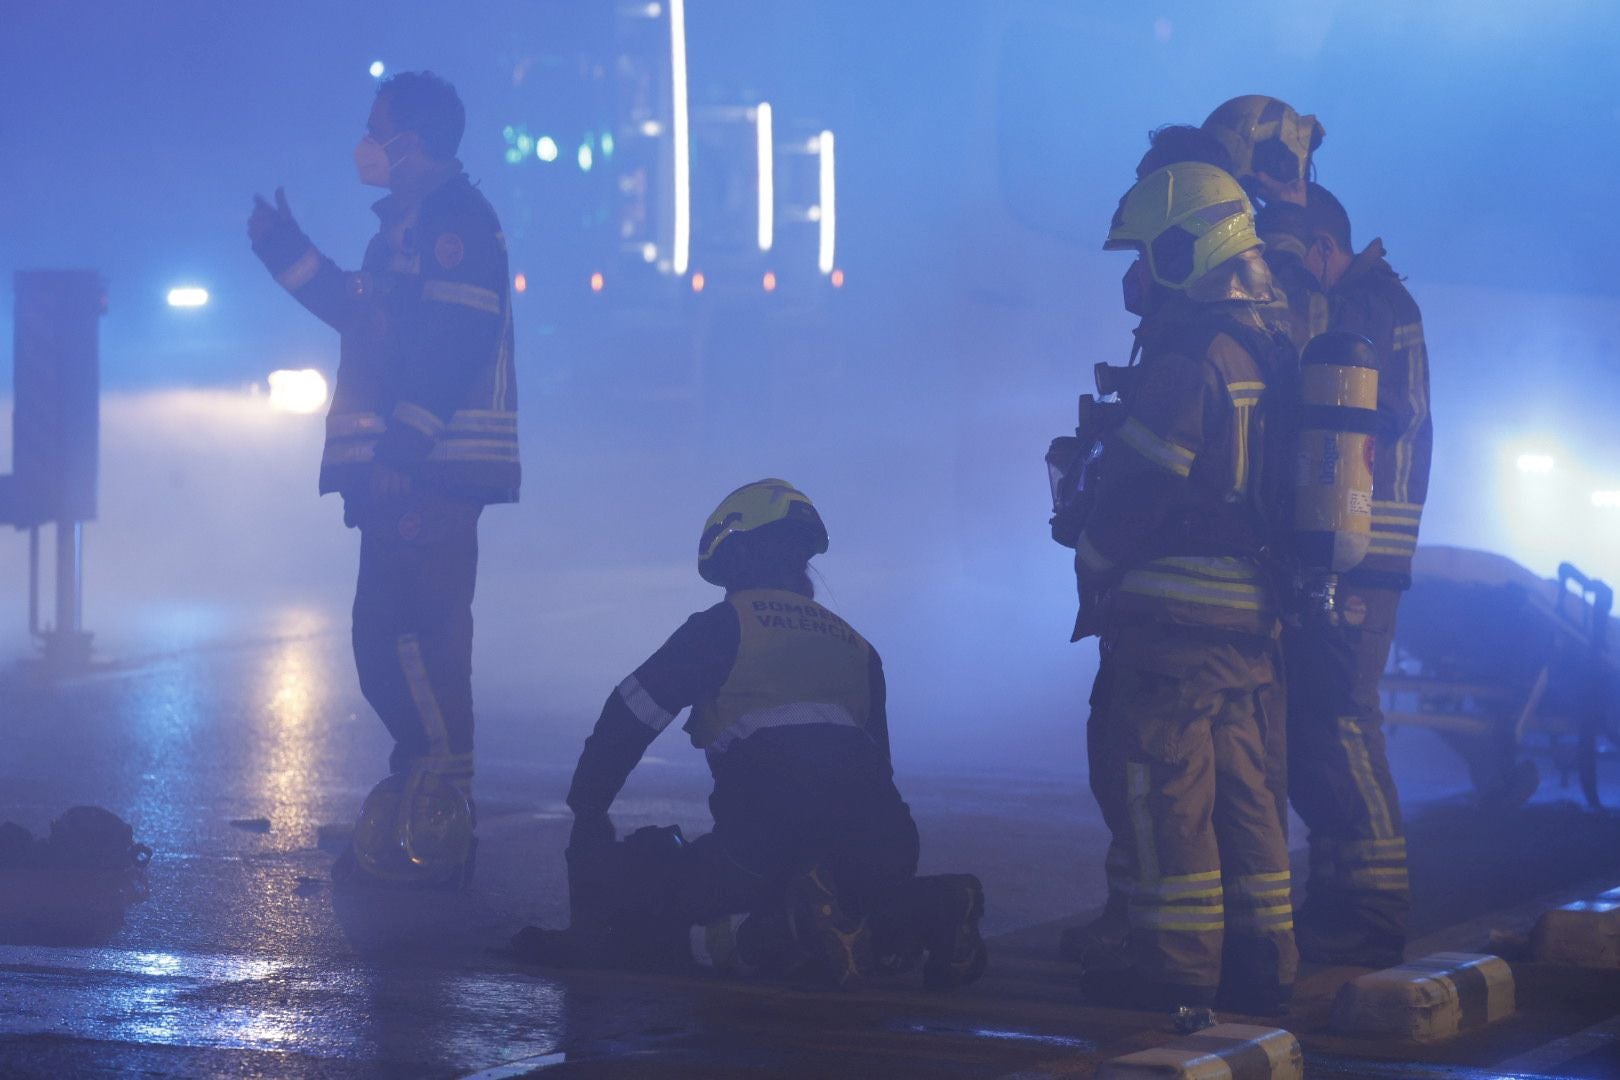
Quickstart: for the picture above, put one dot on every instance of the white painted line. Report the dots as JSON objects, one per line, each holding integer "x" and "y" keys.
{"x": 520, "y": 1067}
{"x": 148, "y": 962}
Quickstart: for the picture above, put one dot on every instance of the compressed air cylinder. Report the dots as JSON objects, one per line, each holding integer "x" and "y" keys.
{"x": 1338, "y": 416}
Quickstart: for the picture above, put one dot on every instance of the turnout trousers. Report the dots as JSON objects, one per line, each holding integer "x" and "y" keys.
{"x": 784, "y": 800}
{"x": 413, "y": 627}
{"x": 1186, "y": 741}
{"x": 1358, "y": 898}
{"x": 787, "y": 798}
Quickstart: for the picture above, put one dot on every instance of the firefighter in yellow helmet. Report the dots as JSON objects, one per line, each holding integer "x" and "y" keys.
{"x": 813, "y": 856}
{"x": 1186, "y": 711}
{"x": 1269, "y": 148}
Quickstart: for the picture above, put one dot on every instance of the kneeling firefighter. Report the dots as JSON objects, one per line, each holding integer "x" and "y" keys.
{"x": 1171, "y": 539}
{"x": 812, "y": 862}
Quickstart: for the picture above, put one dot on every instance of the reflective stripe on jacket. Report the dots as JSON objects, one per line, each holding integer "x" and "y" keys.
{"x": 1177, "y": 533}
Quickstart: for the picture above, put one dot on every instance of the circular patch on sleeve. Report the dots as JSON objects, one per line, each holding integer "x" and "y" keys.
{"x": 449, "y": 250}
{"x": 410, "y": 526}
{"x": 1354, "y": 610}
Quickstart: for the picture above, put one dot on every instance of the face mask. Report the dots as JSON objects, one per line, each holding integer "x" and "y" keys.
{"x": 1135, "y": 289}
{"x": 371, "y": 161}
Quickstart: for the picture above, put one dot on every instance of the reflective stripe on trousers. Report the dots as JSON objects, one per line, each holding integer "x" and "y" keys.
{"x": 413, "y": 628}
{"x": 1182, "y": 721}
{"x": 1339, "y": 777}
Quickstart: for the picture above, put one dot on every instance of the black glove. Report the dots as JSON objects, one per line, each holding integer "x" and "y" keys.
{"x": 276, "y": 237}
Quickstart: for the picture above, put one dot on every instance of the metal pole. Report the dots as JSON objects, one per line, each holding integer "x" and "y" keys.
{"x": 33, "y": 581}
{"x": 68, "y": 554}
{"x": 67, "y": 646}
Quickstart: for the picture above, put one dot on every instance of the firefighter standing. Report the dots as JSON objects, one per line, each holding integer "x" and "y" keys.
{"x": 1358, "y": 898}
{"x": 1186, "y": 704}
{"x": 788, "y": 705}
{"x": 420, "y": 436}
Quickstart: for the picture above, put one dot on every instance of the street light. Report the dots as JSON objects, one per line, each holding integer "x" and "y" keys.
{"x": 188, "y": 296}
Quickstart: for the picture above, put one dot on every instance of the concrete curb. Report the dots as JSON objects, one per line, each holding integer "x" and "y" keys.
{"x": 1427, "y": 1000}
{"x": 1222, "y": 1052}
{"x": 1585, "y": 933}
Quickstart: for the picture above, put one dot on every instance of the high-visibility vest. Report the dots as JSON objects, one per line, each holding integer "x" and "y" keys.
{"x": 797, "y": 663}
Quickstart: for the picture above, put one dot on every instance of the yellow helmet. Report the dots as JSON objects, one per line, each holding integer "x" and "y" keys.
{"x": 1185, "y": 219}
{"x": 415, "y": 827}
{"x": 1263, "y": 134}
{"x": 753, "y": 506}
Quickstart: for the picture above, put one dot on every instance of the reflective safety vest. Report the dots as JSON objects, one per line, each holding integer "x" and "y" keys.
{"x": 797, "y": 663}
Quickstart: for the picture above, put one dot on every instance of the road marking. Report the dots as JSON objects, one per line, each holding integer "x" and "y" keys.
{"x": 520, "y": 1067}
{"x": 152, "y": 963}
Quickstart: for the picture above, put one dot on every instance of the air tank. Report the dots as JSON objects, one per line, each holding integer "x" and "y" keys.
{"x": 1336, "y": 422}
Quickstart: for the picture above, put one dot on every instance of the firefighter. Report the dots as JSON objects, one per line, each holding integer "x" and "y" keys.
{"x": 810, "y": 835}
{"x": 420, "y": 437}
{"x": 1270, "y": 148}
{"x": 1099, "y": 946}
{"x": 1357, "y": 899}
{"x": 1173, "y": 581}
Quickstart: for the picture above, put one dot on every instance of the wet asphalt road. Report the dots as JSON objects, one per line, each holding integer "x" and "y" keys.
{"x": 245, "y": 962}
{"x": 243, "y": 947}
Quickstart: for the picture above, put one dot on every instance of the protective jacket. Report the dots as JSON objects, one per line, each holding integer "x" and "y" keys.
{"x": 761, "y": 659}
{"x": 1370, "y": 300}
{"x": 426, "y": 381}
{"x": 1177, "y": 533}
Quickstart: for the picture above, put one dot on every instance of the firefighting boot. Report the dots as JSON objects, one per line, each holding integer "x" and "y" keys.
{"x": 838, "y": 943}
{"x": 757, "y": 944}
{"x": 950, "y": 907}
{"x": 1099, "y": 945}
{"x": 1322, "y": 941}
{"x": 765, "y": 942}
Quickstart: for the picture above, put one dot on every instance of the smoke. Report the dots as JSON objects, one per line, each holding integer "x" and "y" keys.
{"x": 978, "y": 167}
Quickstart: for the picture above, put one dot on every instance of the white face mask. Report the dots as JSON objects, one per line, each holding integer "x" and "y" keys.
{"x": 371, "y": 161}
